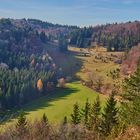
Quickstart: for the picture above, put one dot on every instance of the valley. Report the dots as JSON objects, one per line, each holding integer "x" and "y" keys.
{"x": 84, "y": 79}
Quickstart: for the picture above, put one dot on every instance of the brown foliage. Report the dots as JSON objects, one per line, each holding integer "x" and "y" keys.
{"x": 39, "y": 130}
{"x": 132, "y": 133}
{"x": 62, "y": 83}
{"x": 39, "y": 84}
{"x": 130, "y": 64}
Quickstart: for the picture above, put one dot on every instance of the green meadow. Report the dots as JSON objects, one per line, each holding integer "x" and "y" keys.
{"x": 60, "y": 104}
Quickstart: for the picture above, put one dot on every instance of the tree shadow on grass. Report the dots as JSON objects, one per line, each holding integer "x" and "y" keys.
{"x": 41, "y": 103}
{"x": 46, "y": 101}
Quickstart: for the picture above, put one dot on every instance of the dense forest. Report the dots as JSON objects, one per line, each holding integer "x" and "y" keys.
{"x": 116, "y": 37}
{"x": 26, "y": 69}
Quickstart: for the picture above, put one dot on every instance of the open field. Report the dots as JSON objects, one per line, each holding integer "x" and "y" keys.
{"x": 93, "y": 62}
{"x": 60, "y": 104}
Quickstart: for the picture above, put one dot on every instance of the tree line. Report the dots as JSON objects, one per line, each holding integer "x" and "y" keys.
{"x": 20, "y": 87}
{"x": 116, "y": 37}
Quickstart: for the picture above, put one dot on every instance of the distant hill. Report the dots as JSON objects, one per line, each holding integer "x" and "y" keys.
{"x": 117, "y": 36}
{"x": 113, "y": 36}
{"x": 52, "y": 31}
{"x": 28, "y": 36}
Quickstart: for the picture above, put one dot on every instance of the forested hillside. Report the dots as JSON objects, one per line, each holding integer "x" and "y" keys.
{"x": 55, "y": 34}
{"x": 26, "y": 69}
{"x": 28, "y": 72}
{"x": 25, "y": 66}
{"x": 116, "y": 37}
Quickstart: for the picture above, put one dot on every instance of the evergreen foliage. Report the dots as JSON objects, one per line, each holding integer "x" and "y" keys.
{"x": 63, "y": 43}
{"x": 95, "y": 115}
{"x": 131, "y": 86}
{"x": 109, "y": 116}
{"x": 65, "y": 121}
{"x": 131, "y": 99}
{"x": 85, "y": 113}
{"x": 44, "y": 118}
{"x": 21, "y": 126}
{"x": 23, "y": 61}
{"x": 76, "y": 116}
{"x": 116, "y": 37}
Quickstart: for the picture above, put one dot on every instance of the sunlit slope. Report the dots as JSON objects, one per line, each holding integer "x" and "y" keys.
{"x": 60, "y": 104}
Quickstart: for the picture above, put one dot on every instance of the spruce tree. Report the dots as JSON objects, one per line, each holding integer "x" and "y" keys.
{"x": 132, "y": 86}
{"x": 1, "y": 100}
{"x": 64, "y": 129}
{"x": 85, "y": 113}
{"x": 65, "y": 121}
{"x": 95, "y": 115}
{"x": 44, "y": 119}
{"x": 63, "y": 44}
{"x": 109, "y": 116}
{"x": 131, "y": 99}
{"x": 75, "y": 116}
{"x": 21, "y": 126}
{"x": 45, "y": 128}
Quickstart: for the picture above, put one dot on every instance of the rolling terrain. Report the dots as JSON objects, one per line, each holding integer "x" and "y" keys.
{"x": 87, "y": 68}
{"x": 78, "y": 66}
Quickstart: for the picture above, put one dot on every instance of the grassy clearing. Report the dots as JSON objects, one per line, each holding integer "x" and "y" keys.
{"x": 75, "y": 63}
{"x": 95, "y": 66}
{"x": 59, "y": 105}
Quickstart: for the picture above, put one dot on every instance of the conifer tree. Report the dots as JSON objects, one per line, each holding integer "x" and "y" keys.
{"x": 75, "y": 116}
{"x": 131, "y": 86}
{"x": 85, "y": 113}
{"x": 63, "y": 43}
{"x": 131, "y": 99}
{"x": 42, "y": 128}
{"x": 1, "y": 100}
{"x": 10, "y": 95}
{"x": 95, "y": 115}
{"x": 43, "y": 37}
{"x": 64, "y": 129}
{"x": 45, "y": 125}
{"x": 65, "y": 121}
{"x": 109, "y": 116}
{"x": 45, "y": 119}
{"x": 21, "y": 126}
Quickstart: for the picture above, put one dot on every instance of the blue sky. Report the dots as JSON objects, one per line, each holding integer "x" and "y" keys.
{"x": 72, "y": 12}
